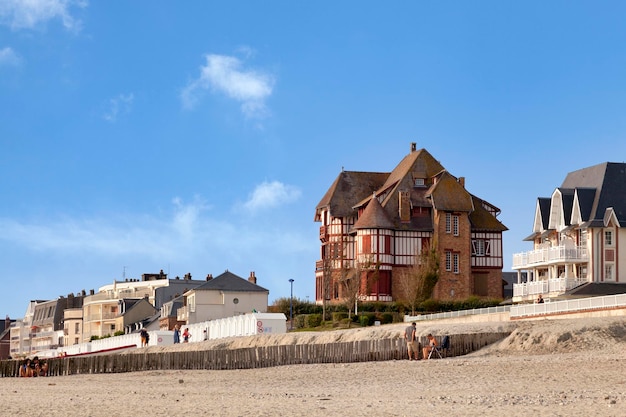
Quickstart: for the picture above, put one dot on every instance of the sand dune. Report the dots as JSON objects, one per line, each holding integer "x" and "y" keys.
{"x": 571, "y": 367}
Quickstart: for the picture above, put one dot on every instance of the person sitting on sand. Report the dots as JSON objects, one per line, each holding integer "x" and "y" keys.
{"x": 432, "y": 342}
{"x": 25, "y": 369}
{"x": 41, "y": 368}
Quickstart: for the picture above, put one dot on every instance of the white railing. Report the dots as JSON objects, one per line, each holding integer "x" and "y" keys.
{"x": 459, "y": 313}
{"x": 243, "y": 325}
{"x": 552, "y": 285}
{"x": 569, "y": 306}
{"x": 551, "y": 255}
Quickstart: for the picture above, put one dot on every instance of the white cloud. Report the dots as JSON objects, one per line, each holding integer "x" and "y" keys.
{"x": 9, "y": 57}
{"x": 271, "y": 194}
{"x": 27, "y": 14}
{"x": 120, "y": 104}
{"x": 185, "y": 235}
{"x": 226, "y": 75}
{"x": 109, "y": 237}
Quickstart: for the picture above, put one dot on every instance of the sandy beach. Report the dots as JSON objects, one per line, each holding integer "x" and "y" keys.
{"x": 544, "y": 368}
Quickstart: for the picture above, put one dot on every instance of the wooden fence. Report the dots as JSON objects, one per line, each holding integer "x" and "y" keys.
{"x": 252, "y": 357}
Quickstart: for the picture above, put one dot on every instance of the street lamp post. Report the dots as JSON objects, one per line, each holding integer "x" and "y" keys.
{"x": 291, "y": 304}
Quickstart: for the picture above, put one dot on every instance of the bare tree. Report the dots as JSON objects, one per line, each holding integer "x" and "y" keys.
{"x": 350, "y": 287}
{"x": 327, "y": 279}
{"x": 418, "y": 280}
{"x": 353, "y": 283}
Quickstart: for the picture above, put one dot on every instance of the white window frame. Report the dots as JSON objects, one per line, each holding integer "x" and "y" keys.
{"x": 608, "y": 238}
{"x": 448, "y": 260}
{"x": 455, "y": 225}
{"x": 455, "y": 263}
{"x": 608, "y": 272}
{"x": 448, "y": 223}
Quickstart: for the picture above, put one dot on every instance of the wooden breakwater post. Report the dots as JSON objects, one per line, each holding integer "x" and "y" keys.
{"x": 252, "y": 357}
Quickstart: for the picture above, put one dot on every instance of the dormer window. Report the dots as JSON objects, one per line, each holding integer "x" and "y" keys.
{"x": 419, "y": 182}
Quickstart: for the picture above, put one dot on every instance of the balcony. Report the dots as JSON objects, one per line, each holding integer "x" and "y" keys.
{"x": 552, "y": 286}
{"x": 550, "y": 256}
{"x": 182, "y": 314}
{"x": 101, "y": 316}
{"x": 324, "y": 233}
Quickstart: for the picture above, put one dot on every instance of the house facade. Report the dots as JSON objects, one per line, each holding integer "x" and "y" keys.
{"x": 379, "y": 223}
{"x": 577, "y": 235}
{"x": 226, "y": 295}
{"x": 104, "y": 312}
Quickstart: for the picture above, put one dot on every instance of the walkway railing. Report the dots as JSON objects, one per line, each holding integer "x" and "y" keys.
{"x": 459, "y": 313}
{"x": 569, "y": 306}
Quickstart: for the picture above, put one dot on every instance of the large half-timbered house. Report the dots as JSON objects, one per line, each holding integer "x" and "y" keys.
{"x": 383, "y": 221}
{"x": 577, "y": 235}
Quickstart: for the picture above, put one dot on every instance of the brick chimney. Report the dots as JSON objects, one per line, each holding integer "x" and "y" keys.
{"x": 462, "y": 181}
{"x": 252, "y": 277}
{"x": 413, "y": 146}
{"x": 209, "y": 277}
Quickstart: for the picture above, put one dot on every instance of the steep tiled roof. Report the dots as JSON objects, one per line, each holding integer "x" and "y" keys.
{"x": 609, "y": 180}
{"x": 544, "y": 210}
{"x": 448, "y": 195}
{"x": 230, "y": 282}
{"x": 441, "y": 190}
{"x": 348, "y": 189}
{"x": 374, "y": 217}
{"x": 482, "y": 220}
{"x": 585, "y": 201}
{"x": 419, "y": 162}
{"x": 567, "y": 197}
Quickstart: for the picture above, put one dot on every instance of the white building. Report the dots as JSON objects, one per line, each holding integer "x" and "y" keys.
{"x": 223, "y": 296}
{"x": 577, "y": 236}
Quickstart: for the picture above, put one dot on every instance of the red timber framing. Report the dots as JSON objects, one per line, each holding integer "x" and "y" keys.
{"x": 375, "y": 224}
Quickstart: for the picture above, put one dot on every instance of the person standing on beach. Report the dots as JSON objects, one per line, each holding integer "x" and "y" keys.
{"x": 186, "y": 335}
{"x": 144, "y": 338}
{"x": 177, "y": 334}
{"x": 411, "y": 344}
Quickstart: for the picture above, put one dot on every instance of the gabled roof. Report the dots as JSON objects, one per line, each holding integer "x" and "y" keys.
{"x": 585, "y": 198}
{"x": 609, "y": 181}
{"x": 428, "y": 185}
{"x": 133, "y": 303}
{"x": 374, "y": 217}
{"x": 567, "y": 198}
{"x": 228, "y": 281}
{"x": 543, "y": 205}
{"x": 448, "y": 195}
{"x": 348, "y": 188}
{"x": 482, "y": 220}
{"x": 417, "y": 164}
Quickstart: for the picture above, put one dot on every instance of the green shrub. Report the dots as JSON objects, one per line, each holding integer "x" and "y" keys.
{"x": 386, "y": 318}
{"x": 367, "y": 319}
{"x": 431, "y": 305}
{"x": 298, "y": 321}
{"x": 312, "y": 320}
{"x": 339, "y": 316}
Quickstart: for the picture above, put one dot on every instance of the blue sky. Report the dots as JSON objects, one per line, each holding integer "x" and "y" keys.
{"x": 199, "y": 136}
